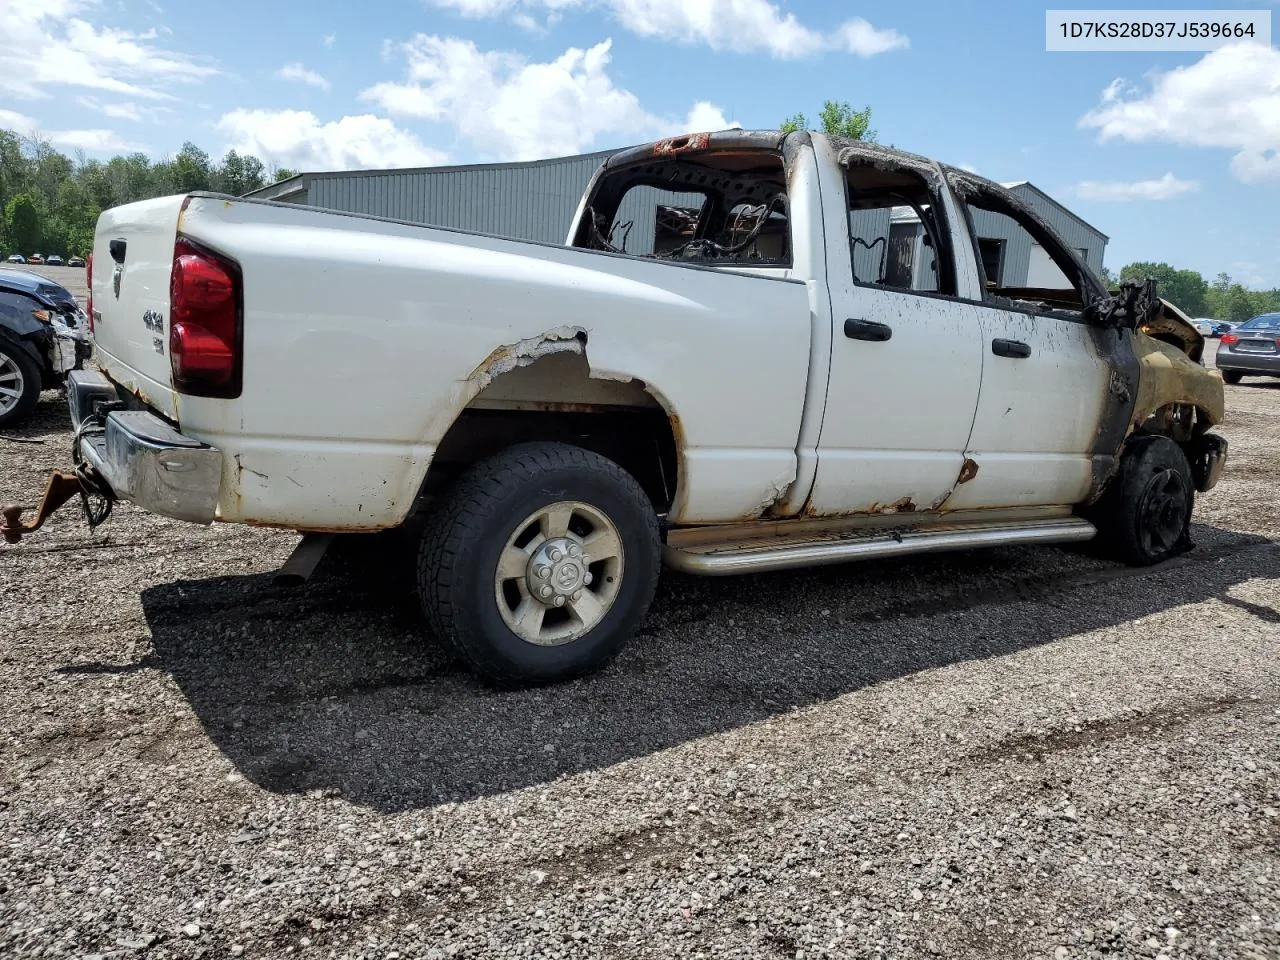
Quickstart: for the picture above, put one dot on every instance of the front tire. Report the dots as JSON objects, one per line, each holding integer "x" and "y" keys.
{"x": 540, "y": 564}
{"x": 1144, "y": 516}
{"x": 1232, "y": 376}
{"x": 19, "y": 383}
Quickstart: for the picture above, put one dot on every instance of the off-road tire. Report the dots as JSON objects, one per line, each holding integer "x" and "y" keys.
{"x": 468, "y": 530}
{"x": 13, "y": 354}
{"x": 1232, "y": 376}
{"x": 1144, "y": 516}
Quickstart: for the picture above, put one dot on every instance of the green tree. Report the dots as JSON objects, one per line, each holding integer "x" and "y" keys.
{"x": 1186, "y": 289}
{"x": 22, "y": 223}
{"x": 837, "y": 119}
{"x": 190, "y": 169}
{"x": 283, "y": 173}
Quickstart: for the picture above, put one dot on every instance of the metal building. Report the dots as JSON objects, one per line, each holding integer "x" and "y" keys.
{"x": 528, "y": 201}
{"x": 1009, "y": 254}
{"x": 536, "y": 200}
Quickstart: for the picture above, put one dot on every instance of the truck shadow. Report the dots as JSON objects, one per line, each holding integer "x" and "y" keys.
{"x": 334, "y": 687}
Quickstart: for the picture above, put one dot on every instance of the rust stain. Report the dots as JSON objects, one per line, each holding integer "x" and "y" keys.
{"x": 60, "y": 488}
{"x": 968, "y": 470}
{"x": 352, "y": 528}
{"x": 682, "y": 144}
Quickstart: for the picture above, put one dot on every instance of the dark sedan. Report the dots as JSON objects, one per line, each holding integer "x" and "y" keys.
{"x": 1251, "y": 349}
{"x": 42, "y": 336}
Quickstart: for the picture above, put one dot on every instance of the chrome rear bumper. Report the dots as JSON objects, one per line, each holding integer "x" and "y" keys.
{"x": 142, "y": 458}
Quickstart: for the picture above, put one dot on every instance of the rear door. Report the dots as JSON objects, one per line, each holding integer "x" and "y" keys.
{"x": 132, "y": 259}
{"x": 906, "y": 355}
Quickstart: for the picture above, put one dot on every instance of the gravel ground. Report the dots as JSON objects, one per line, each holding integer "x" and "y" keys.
{"x": 1014, "y": 753}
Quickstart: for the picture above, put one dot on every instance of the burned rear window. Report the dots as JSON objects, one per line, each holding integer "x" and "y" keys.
{"x": 715, "y": 207}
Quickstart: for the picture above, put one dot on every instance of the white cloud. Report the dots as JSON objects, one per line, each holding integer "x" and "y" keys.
{"x": 45, "y": 45}
{"x": 1229, "y": 98}
{"x": 510, "y": 108}
{"x": 124, "y": 110}
{"x": 1119, "y": 190}
{"x": 297, "y": 138}
{"x": 741, "y": 26}
{"x": 19, "y": 123}
{"x": 330, "y": 39}
{"x": 92, "y": 141}
{"x": 299, "y": 73}
{"x": 706, "y": 117}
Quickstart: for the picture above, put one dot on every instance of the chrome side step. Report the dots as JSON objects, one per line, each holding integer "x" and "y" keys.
{"x": 723, "y": 559}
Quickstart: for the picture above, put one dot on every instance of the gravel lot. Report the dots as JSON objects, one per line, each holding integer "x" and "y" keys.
{"x": 1016, "y": 753}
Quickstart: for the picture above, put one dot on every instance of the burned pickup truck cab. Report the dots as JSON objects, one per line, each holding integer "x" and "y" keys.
{"x": 735, "y": 363}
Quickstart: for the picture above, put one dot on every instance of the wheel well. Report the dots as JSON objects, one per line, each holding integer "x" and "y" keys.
{"x": 555, "y": 399}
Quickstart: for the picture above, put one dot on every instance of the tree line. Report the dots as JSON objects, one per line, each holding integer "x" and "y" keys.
{"x": 1221, "y": 299}
{"x": 49, "y": 202}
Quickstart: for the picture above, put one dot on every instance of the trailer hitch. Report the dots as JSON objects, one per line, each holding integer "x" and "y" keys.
{"x": 61, "y": 488}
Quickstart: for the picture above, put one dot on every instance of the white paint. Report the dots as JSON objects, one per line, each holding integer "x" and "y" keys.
{"x": 364, "y": 340}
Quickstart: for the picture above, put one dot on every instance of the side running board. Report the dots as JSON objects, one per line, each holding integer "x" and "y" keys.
{"x": 754, "y": 556}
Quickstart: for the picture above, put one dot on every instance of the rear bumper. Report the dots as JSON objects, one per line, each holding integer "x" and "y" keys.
{"x": 142, "y": 458}
{"x": 1248, "y": 362}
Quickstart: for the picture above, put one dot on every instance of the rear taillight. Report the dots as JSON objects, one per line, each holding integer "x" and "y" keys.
{"x": 204, "y": 323}
{"x": 1229, "y": 338}
{"x": 88, "y": 279}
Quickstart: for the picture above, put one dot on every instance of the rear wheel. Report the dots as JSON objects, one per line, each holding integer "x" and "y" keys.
{"x": 19, "y": 383}
{"x": 1144, "y": 517}
{"x": 1232, "y": 376}
{"x": 539, "y": 564}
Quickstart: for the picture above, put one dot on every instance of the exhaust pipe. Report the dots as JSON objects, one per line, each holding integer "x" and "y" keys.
{"x": 302, "y": 562}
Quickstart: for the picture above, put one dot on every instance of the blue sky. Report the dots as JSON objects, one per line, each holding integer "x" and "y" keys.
{"x": 1176, "y": 156}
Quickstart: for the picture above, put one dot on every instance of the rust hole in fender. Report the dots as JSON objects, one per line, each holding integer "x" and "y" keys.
{"x": 968, "y": 470}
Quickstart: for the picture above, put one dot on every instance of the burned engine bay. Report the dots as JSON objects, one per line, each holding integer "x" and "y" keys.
{"x": 727, "y": 206}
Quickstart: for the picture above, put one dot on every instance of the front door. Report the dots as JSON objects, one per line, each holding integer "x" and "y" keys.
{"x": 1045, "y": 377}
{"x": 906, "y": 353}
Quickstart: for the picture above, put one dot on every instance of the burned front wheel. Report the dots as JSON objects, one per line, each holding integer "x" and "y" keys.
{"x": 1144, "y": 517}
{"x": 539, "y": 564}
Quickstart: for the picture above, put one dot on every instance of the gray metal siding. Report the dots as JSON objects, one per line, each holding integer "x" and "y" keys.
{"x": 528, "y": 202}
{"x": 871, "y": 227}
{"x": 1073, "y": 233}
{"x": 1017, "y": 245}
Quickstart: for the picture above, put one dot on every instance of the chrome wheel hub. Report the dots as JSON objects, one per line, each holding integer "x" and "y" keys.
{"x": 559, "y": 573}
{"x": 558, "y": 570}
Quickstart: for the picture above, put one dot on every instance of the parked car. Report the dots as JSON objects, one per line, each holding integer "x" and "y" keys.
{"x": 75, "y": 261}
{"x": 1205, "y": 327}
{"x": 1251, "y": 349}
{"x": 56, "y": 295}
{"x": 547, "y": 424}
{"x": 42, "y": 339}
{"x": 35, "y": 259}
{"x": 54, "y": 261}
{"x": 16, "y": 258}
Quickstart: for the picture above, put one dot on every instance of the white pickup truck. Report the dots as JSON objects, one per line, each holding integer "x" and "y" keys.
{"x": 754, "y": 351}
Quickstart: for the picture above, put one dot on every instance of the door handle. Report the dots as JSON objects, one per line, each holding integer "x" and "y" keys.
{"x": 1014, "y": 349}
{"x": 867, "y": 330}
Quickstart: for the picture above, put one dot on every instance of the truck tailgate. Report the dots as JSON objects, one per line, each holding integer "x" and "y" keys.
{"x": 131, "y": 297}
